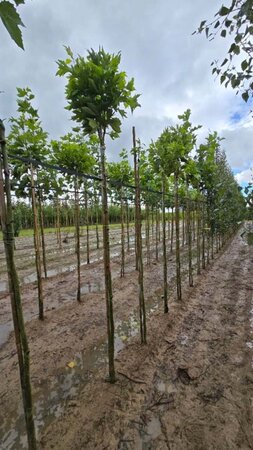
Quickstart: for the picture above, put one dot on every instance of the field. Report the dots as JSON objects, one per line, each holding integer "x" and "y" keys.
{"x": 190, "y": 387}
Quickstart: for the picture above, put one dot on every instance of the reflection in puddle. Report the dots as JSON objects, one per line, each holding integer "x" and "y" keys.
{"x": 53, "y": 394}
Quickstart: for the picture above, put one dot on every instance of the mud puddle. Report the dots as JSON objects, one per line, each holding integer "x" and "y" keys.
{"x": 51, "y": 396}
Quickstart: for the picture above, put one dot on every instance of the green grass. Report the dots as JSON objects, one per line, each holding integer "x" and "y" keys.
{"x": 29, "y": 232}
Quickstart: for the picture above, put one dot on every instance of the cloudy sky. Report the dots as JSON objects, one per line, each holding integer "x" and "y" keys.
{"x": 171, "y": 67}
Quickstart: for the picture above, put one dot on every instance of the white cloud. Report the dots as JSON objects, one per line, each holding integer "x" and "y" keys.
{"x": 246, "y": 176}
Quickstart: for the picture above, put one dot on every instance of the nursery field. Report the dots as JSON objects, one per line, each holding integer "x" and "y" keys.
{"x": 190, "y": 387}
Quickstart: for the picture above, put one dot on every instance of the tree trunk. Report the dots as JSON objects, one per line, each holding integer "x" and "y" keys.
{"x": 147, "y": 234}
{"x": 128, "y": 231}
{"x": 203, "y": 237}
{"x": 198, "y": 236}
{"x": 107, "y": 267}
{"x": 42, "y": 234}
{"x": 189, "y": 238}
{"x": 87, "y": 225}
{"x": 172, "y": 229}
{"x": 177, "y": 220}
{"x": 122, "y": 271}
{"x": 77, "y": 226}
{"x": 14, "y": 289}
{"x": 58, "y": 223}
{"x": 165, "y": 274}
{"x": 37, "y": 246}
{"x": 138, "y": 224}
{"x": 156, "y": 235}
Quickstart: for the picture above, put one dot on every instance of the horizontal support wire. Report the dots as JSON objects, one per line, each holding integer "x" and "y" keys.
{"x": 113, "y": 183}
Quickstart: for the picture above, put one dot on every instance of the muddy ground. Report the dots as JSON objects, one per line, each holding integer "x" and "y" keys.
{"x": 191, "y": 387}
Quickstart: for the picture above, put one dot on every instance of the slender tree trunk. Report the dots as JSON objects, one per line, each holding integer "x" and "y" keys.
{"x": 198, "y": 238}
{"x": 87, "y": 225}
{"x": 58, "y": 223}
{"x": 97, "y": 219}
{"x": 107, "y": 267}
{"x": 156, "y": 236}
{"x": 165, "y": 274}
{"x": 177, "y": 220}
{"x": 148, "y": 234}
{"x": 142, "y": 308}
{"x": 172, "y": 229}
{"x": 128, "y": 231}
{"x": 203, "y": 237}
{"x": 14, "y": 289}
{"x": 183, "y": 226}
{"x": 77, "y": 226}
{"x": 189, "y": 238}
{"x": 37, "y": 246}
{"x": 44, "y": 258}
{"x": 122, "y": 271}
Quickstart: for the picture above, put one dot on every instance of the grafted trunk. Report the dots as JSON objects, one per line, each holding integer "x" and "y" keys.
{"x": 148, "y": 234}
{"x": 41, "y": 213}
{"x": 189, "y": 238}
{"x": 142, "y": 308}
{"x": 15, "y": 296}
{"x": 177, "y": 220}
{"x": 172, "y": 229}
{"x": 58, "y": 223}
{"x": 203, "y": 237}
{"x": 127, "y": 223}
{"x": 107, "y": 267}
{"x": 36, "y": 239}
{"x": 165, "y": 274}
{"x": 198, "y": 236}
{"x": 156, "y": 236}
{"x": 77, "y": 226}
{"x": 87, "y": 225}
{"x": 122, "y": 271}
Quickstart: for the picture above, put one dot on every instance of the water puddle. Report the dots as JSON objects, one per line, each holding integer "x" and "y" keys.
{"x": 52, "y": 395}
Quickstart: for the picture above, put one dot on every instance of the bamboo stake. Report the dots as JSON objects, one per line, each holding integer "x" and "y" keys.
{"x": 14, "y": 289}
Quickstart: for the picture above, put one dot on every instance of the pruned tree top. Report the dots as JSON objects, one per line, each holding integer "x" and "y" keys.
{"x": 98, "y": 93}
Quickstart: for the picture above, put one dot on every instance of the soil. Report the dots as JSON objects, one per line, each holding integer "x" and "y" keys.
{"x": 190, "y": 387}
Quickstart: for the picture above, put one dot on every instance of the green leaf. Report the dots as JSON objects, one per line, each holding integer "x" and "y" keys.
{"x": 224, "y": 11}
{"x": 223, "y": 33}
{"x": 12, "y": 22}
{"x": 19, "y": 2}
{"x": 245, "y": 96}
{"x": 244, "y": 64}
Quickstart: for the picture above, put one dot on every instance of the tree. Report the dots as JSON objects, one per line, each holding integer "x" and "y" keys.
{"x": 28, "y": 139}
{"x": 73, "y": 154}
{"x": 172, "y": 154}
{"x": 11, "y": 20}
{"x": 98, "y": 94}
{"x": 235, "y": 20}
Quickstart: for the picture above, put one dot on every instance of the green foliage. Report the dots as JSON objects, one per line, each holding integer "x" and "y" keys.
{"x": 235, "y": 21}
{"x": 26, "y": 138}
{"x": 12, "y": 20}
{"x": 170, "y": 153}
{"x": 97, "y": 92}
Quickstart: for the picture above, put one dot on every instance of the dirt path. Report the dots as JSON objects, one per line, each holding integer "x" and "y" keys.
{"x": 191, "y": 387}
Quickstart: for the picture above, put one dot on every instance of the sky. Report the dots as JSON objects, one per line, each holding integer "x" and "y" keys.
{"x": 171, "y": 68}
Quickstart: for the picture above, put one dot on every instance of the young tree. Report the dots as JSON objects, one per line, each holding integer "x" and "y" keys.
{"x": 73, "y": 154}
{"x": 23, "y": 353}
{"x": 173, "y": 148}
{"x": 28, "y": 139}
{"x": 98, "y": 95}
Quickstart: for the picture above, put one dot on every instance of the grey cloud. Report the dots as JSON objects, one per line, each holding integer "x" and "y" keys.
{"x": 170, "y": 66}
